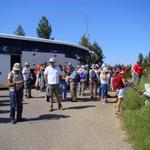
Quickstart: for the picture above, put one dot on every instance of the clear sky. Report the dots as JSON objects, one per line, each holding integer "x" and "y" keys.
{"x": 121, "y": 27}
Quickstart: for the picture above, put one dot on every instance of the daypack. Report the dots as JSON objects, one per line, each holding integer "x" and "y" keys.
{"x": 117, "y": 81}
{"x": 93, "y": 75}
{"x": 82, "y": 75}
{"x": 75, "y": 76}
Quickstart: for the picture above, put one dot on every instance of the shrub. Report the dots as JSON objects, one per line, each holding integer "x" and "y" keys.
{"x": 136, "y": 117}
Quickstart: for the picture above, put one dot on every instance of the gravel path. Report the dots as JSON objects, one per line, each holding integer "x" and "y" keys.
{"x": 85, "y": 125}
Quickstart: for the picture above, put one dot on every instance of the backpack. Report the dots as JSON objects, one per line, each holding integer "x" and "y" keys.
{"x": 117, "y": 81}
{"x": 93, "y": 75}
{"x": 82, "y": 75}
{"x": 77, "y": 79}
{"x": 75, "y": 76}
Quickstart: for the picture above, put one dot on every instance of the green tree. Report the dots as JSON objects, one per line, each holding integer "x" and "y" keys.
{"x": 44, "y": 29}
{"x": 97, "y": 55}
{"x": 19, "y": 31}
{"x": 141, "y": 56}
{"x": 146, "y": 61}
{"x": 85, "y": 41}
{"x": 98, "y": 51}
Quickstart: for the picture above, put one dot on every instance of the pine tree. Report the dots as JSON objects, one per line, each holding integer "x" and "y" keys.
{"x": 20, "y": 31}
{"x": 44, "y": 29}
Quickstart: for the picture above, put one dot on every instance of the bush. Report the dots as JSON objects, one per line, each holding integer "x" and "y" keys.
{"x": 136, "y": 117}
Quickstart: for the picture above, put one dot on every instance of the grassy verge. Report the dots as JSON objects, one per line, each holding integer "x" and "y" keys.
{"x": 3, "y": 86}
{"x": 136, "y": 118}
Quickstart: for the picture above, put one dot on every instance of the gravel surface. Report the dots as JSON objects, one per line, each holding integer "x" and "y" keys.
{"x": 84, "y": 125}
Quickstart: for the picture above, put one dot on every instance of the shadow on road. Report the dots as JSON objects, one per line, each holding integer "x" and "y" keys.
{"x": 4, "y": 111}
{"x": 4, "y": 120}
{"x": 45, "y": 117}
{"x": 81, "y": 107}
{"x": 48, "y": 117}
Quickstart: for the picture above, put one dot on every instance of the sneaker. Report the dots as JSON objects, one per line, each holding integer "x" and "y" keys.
{"x": 118, "y": 112}
{"x": 92, "y": 97}
{"x": 103, "y": 102}
{"x": 13, "y": 121}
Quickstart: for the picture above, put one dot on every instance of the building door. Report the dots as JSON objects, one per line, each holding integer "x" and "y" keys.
{"x": 15, "y": 59}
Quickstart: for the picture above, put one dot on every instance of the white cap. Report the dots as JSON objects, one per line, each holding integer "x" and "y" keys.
{"x": 27, "y": 63}
{"x": 52, "y": 60}
{"x": 69, "y": 64}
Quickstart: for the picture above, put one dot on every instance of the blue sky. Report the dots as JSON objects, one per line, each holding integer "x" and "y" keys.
{"x": 121, "y": 27}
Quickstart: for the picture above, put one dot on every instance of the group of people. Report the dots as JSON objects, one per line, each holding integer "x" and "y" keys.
{"x": 57, "y": 80}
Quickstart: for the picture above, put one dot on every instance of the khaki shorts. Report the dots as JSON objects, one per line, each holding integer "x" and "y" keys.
{"x": 53, "y": 89}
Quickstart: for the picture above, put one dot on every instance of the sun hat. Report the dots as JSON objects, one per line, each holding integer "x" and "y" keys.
{"x": 27, "y": 64}
{"x": 97, "y": 65}
{"x": 17, "y": 67}
{"x": 82, "y": 66}
{"x": 93, "y": 66}
{"x": 52, "y": 60}
{"x": 105, "y": 69}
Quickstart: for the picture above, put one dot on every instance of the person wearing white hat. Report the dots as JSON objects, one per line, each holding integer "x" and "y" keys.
{"x": 27, "y": 80}
{"x": 83, "y": 79}
{"x": 104, "y": 80}
{"x": 15, "y": 84}
{"x": 93, "y": 77}
{"x": 52, "y": 75}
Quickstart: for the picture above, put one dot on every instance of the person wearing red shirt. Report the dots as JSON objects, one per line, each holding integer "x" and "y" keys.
{"x": 138, "y": 71}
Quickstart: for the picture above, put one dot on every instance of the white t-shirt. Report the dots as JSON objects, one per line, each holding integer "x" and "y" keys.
{"x": 26, "y": 73}
{"x": 104, "y": 78}
{"x": 53, "y": 74}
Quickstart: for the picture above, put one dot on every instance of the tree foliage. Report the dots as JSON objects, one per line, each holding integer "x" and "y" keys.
{"x": 141, "y": 56}
{"x": 145, "y": 60}
{"x": 97, "y": 55}
{"x": 19, "y": 31}
{"x": 44, "y": 29}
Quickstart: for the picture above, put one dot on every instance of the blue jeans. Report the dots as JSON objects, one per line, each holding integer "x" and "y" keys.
{"x": 63, "y": 86}
{"x": 104, "y": 90}
{"x": 16, "y": 98}
{"x": 42, "y": 84}
{"x": 137, "y": 79}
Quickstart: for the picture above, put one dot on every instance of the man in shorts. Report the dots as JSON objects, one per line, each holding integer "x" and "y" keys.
{"x": 52, "y": 75}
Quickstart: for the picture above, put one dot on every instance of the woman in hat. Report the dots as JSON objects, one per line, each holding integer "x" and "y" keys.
{"x": 104, "y": 79}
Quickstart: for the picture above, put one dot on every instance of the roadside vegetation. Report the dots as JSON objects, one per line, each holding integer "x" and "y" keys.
{"x": 136, "y": 117}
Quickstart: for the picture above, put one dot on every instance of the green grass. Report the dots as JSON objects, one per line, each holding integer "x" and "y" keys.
{"x": 3, "y": 86}
{"x": 136, "y": 118}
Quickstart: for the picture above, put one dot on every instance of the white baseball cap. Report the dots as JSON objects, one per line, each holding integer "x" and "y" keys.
{"x": 52, "y": 60}
{"x": 27, "y": 63}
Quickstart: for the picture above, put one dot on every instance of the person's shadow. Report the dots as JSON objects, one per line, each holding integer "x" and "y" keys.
{"x": 41, "y": 118}
{"x": 48, "y": 117}
{"x": 81, "y": 107}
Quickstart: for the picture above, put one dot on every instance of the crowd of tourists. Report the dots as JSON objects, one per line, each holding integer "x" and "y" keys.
{"x": 57, "y": 81}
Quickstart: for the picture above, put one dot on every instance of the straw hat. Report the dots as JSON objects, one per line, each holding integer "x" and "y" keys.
{"x": 17, "y": 67}
{"x": 105, "y": 69}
